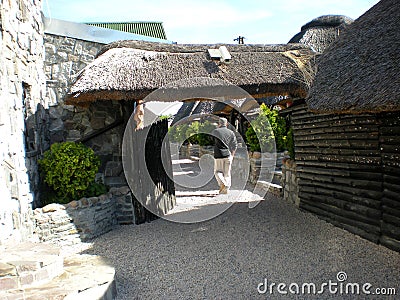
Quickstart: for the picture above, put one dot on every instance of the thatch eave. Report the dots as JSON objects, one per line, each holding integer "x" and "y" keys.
{"x": 184, "y": 94}
{"x": 132, "y": 73}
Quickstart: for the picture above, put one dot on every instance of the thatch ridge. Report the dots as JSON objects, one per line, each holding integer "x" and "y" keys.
{"x": 196, "y": 48}
{"x": 129, "y": 70}
{"x": 328, "y": 21}
{"x": 322, "y": 31}
{"x": 360, "y": 72}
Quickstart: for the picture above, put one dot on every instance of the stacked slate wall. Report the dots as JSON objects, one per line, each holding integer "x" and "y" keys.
{"x": 289, "y": 182}
{"x": 84, "y": 219}
{"x": 348, "y": 170}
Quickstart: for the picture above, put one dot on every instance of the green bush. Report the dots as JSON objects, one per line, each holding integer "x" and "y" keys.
{"x": 205, "y": 139}
{"x": 95, "y": 189}
{"x": 163, "y": 117}
{"x": 259, "y": 135}
{"x": 177, "y": 133}
{"x": 252, "y": 140}
{"x": 193, "y": 133}
{"x": 69, "y": 169}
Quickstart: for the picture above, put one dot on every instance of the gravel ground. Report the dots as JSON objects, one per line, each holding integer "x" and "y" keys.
{"x": 227, "y": 257}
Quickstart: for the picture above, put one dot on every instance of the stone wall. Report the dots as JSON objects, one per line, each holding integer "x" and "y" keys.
{"x": 83, "y": 219}
{"x": 124, "y": 210}
{"x": 290, "y": 182}
{"x": 99, "y": 126}
{"x": 65, "y": 57}
{"x": 22, "y": 89}
{"x": 54, "y": 224}
{"x": 262, "y": 166}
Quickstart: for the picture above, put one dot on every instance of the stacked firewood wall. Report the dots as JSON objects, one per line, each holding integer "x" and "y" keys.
{"x": 390, "y": 145}
{"x": 338, "y": 161}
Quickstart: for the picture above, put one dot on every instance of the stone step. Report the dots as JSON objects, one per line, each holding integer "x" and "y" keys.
{"x": 272, "y": 188}
{"x": 116, "y": 181}
{"x": 38, "y": 271}
{"x": 29, "y": 264}
{"x": 277, "y": 177}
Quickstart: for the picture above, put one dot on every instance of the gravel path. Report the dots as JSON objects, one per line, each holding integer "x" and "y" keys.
{"x": 228, "y": 256}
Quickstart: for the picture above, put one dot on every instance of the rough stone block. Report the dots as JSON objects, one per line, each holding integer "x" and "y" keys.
{"x": 12, "y": 295}
{"x": 115, "y": 191}
{"x": 8, "y": 283}
{"x": 24, "y": 266}
{"x": 113, "y": 168}
{"x": 7, "y": 270}
{"x": 56, "y": 137}
{"x": 53, "y": 207}
{"x": 84, "y": 202}
{"x": 62, "y": 55}
{"x": 50, "y": 48}
{"x": 73, "y": 135}
{"x": 73, "y": 204}
{"x": 42, "y": 275}
{"x": 97, "y": 123}
{"x": 94, "y": 200}
{"x": 125, "y": 190}
{"x": 73, "y": 58}
{"x": 26, "y": 279}
{"x": 125, "y": 220}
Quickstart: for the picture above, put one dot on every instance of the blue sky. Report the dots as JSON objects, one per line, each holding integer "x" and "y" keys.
{"x": 208, "y": 21}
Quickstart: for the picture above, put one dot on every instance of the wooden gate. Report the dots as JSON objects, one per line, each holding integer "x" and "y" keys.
{"x": 149, "y": 178}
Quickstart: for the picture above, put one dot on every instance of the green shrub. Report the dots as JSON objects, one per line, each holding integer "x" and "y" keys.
{"x": 205, "y": 139}
{"x": 177, "y": 133}
{"x": 168, "y": 117}
{"x": 69, "y": 169}
{"x": 95, "y": 189}
{"x": 252, "y": 140}
{"x": 193, "y": 133}
{"x": 259, "y": 135}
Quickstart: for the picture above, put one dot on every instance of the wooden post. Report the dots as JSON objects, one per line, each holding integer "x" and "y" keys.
{"x": 139, "y": 115}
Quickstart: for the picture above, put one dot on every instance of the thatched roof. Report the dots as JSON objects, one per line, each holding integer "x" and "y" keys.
{"x": 321, "y": 31}
{"x": 360, "y": 72}
{"x": 190, "y": 108}
{"x": 129, "y": 70}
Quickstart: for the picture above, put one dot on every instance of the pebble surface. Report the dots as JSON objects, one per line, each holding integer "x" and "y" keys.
{"x": 229, "y": 256}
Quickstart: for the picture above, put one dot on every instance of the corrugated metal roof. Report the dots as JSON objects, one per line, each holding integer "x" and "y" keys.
{"x": 153, "y": 29}
{"x": 93, "y": 33}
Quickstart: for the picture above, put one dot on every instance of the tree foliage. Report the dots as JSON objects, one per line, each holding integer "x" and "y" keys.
{"x": 267, "y": 127}
{"x": 195, "y": 133}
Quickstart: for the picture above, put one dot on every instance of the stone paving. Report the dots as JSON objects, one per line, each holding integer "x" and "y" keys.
{"x": 33, "y": 271}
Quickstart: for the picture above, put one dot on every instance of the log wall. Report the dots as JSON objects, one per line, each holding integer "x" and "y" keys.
{"x": 390, "y": 147}
{"x": 349, "y": 171}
